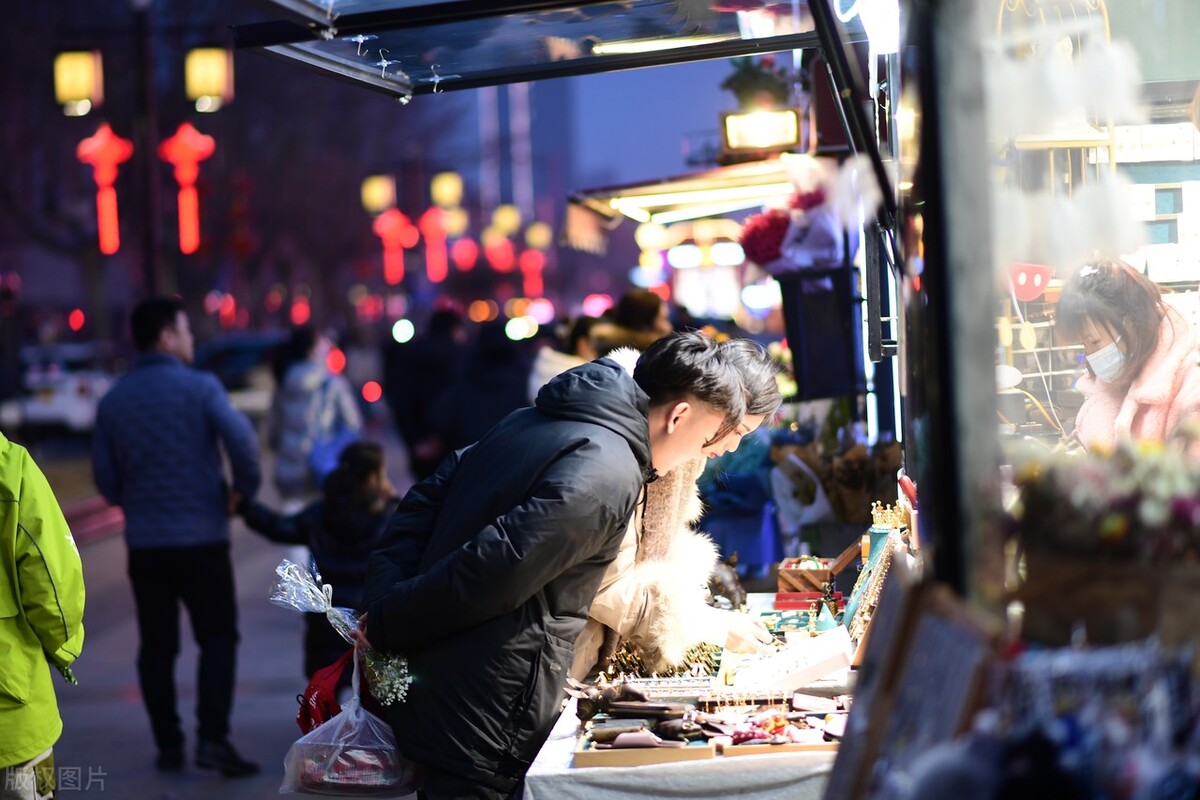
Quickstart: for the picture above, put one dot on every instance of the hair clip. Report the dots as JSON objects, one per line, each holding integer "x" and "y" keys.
{"x": 1088, "y": 271}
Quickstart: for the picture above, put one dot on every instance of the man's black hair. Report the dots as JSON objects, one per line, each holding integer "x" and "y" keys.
{"x": 150, "y": 318}
{"x": 691, "y": 366}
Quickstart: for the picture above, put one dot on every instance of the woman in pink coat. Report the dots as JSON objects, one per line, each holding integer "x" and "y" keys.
{"x": 1143, "y": 375}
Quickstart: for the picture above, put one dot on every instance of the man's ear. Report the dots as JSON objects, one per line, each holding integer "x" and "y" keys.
{"x": 677, "y": 414}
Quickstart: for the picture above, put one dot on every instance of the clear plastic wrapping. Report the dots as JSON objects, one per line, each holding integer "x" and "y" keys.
{"x": 300, "y": 590}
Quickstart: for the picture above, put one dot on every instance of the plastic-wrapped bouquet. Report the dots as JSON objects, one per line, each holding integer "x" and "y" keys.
{"x": 300, "y": 590}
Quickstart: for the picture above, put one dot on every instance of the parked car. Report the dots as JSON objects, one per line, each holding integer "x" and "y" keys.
{"x": 61, "y": 386}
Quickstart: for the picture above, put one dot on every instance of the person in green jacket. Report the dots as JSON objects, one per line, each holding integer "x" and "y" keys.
{"x": 41, "y": 620}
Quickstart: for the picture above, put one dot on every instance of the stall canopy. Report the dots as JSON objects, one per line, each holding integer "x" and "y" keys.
{"x": 407, "y": 47}
{"x": 702, "y": 194}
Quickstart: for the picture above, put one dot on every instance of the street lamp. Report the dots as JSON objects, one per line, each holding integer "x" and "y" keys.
{"x": 208, "y": 77}
{"x": 378, "y": 193}
{"x": 79, "y": 81}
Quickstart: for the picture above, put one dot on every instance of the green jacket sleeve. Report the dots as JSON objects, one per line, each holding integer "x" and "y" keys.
{"x": 49, "y": 572}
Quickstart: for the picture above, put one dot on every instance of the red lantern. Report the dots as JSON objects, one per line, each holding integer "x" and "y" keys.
{"x": 531, "y": 263}
{"x": 104, "y": 150}
{"x": 500, "y": 255}
{"x": 184, "y": 151}
{"x": 396, "y": 232}
{"x": 433, "y": 228}
{"x": 465, "y": 253}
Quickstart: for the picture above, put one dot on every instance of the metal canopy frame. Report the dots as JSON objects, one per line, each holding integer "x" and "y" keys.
{"x": 409, "y": 47}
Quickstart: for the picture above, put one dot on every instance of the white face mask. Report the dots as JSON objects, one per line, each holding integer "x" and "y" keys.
{"x": 1107, "y": 362}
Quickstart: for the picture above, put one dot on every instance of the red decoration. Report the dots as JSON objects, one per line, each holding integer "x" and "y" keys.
{"x": 500, "y": 255}
{"x": 465, "y": 253}
{"x": 433, "y": 227}
{"x": 396, "y": 232}
{"x": 1029, "y": 280}
{"x": 103, "y": 151}
{"x": 531, "y": 263}
{"x": 184, "y": 151}
{"x": 806, "y": 200}
{"x": 762, "y": 234}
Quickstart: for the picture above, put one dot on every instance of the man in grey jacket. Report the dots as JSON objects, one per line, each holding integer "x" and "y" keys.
{"x": 156, "y": 452}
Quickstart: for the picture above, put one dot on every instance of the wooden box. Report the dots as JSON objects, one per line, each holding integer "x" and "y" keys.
{"x": 790, "y": 578}
{"x": 588, "y": 756}
{"x": 790, "y": 747}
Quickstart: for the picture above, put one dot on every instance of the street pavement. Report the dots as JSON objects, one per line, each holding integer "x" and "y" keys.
{"x": 106, "y": 748}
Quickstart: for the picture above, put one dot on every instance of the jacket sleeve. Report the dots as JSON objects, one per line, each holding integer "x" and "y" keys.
{"x": 49, "y": 572}
{"x": 104, "y": 467}
{"x": 620, "y": 602}
{"x": 241, "y": 443}
{"x": 561, "y": 524}
{"x": 280, "y": 528}
{"x": 405, "y": 537}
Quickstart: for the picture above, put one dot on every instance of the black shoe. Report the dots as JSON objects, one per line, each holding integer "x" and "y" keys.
{"x": 170, "y": 759}
{"x": 221, "y": 756}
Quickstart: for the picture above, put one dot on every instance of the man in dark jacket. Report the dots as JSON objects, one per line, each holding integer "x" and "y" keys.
{"x": 156, "y": 452}
{"x": 487, "y": 569}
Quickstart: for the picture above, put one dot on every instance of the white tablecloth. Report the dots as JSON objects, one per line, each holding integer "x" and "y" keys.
{"x": 796, "y": 776}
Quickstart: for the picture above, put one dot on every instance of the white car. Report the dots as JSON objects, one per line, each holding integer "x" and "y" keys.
{"x": 62, "y": 384}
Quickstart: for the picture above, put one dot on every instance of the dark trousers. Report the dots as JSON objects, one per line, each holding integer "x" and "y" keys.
{"x": 438, "y": 785}
{"x": 201, "y": 578}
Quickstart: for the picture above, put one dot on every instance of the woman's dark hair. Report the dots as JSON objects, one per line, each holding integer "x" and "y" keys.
{"x": 637, "y": 310}
{"x": 150, "y": 318}
{"x": 1113, "y": 295}
{"x": 345, "y": 488}
{"x": 689, "y": 365}
{"x": 581, "y": 328}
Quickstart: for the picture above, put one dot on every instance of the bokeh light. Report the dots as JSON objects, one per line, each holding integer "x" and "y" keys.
{"x": 403, "y": 330}
{"x": 335, "y": 360}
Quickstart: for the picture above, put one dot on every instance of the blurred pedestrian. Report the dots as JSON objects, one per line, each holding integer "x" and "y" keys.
{"x": 639, "y": 319}
{"x": 341, "y": 529}
{"x": 415, "y": 373}
{"x": 314, "y": 414}
{"x": 488, "y": 567}
{"x": 41, "y": 621}
{"x": 492, "y": 383}
{"x": 574, "y": 348}
{"x": 157, "y": 453}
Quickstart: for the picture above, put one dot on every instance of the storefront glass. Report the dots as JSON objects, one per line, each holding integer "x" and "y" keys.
{"x": 1050, "y": 200}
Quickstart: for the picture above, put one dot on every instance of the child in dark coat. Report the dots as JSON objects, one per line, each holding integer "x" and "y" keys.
{"x": 340, "y": 530}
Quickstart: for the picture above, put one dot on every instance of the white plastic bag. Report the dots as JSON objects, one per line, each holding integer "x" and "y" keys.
{"x": 352, "y": 755}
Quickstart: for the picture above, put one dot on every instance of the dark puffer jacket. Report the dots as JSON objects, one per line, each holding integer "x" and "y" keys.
{"x": 487, "y": 570}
